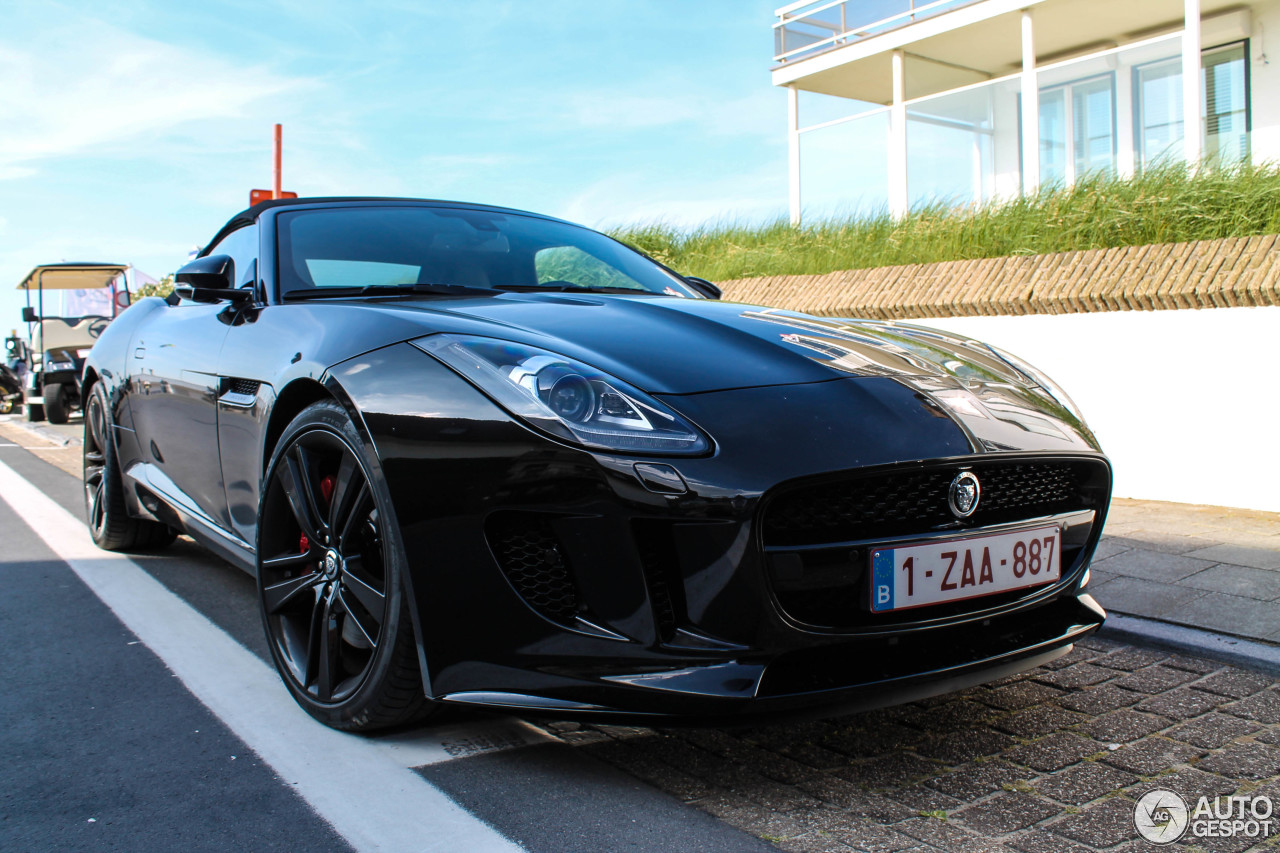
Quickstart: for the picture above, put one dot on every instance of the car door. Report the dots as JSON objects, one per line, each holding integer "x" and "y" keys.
{"x": 177, "y": 386}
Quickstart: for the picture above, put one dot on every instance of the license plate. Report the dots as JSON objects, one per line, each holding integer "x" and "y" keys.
{"x": 919, "y": 575}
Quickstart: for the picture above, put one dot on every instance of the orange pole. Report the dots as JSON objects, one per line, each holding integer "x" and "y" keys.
{"x": 275, "y": 190}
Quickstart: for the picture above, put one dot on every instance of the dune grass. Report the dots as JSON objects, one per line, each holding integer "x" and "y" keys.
{"x": 1164, "y": 205}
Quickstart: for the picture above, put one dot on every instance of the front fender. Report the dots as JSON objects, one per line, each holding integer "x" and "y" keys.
{"x": 429, "y": 435}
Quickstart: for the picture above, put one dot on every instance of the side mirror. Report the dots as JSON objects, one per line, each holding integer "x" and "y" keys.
{"x": 209, "y": 279}
{"x": 29, "y": 315}
{"x": 704, "y": 287}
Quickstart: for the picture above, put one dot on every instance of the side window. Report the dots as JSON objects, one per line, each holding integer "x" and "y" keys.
{"x": 571, "y": 265}
{"x": 242, "y": 246}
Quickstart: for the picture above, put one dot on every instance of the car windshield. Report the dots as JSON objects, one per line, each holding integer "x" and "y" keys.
{"x": 350, "y": 251}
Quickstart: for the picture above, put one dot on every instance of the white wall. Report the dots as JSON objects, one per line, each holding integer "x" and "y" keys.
{"x": 1185, "y": 403}
{"x": 1264, "y": 70}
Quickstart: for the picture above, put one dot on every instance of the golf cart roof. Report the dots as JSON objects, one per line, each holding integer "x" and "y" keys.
{"x": 71, "y": 276}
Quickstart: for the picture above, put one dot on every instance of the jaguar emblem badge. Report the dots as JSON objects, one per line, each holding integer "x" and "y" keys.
{"x": 962, "y": 496}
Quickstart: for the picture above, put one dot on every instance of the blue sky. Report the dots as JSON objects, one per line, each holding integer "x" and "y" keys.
{"x": 130, "y": 131}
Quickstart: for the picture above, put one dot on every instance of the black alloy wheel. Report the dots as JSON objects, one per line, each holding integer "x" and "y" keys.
{"x": 110, "y": 524}
{"x": 330, "y": 583}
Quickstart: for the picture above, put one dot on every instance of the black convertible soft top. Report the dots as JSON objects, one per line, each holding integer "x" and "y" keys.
{"x": 250, "y": 214}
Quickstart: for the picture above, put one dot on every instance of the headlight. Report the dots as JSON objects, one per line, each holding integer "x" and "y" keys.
{"x": 566, "y": 398}
{"x": 1038, "y": 377}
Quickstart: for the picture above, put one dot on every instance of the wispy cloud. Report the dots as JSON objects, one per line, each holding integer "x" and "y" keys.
{"x": 758, "y": 114}
{"x": 635, "y": 198}
{"x": 86, "y": 86}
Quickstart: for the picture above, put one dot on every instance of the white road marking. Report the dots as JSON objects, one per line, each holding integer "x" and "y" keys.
{"x": 444, "y": 743}
{"x": 360, "y": 787}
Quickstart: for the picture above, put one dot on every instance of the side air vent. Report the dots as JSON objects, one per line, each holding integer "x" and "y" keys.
{"x": 239, "y": 393}
{"x": 243, "y": 387}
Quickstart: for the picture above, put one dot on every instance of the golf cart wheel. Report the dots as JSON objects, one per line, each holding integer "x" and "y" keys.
{"x": 55, "y": 404}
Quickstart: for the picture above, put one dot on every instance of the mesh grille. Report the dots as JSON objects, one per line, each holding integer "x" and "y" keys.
{"x": 824, "y": 581}
{"x": 905, "y": 502}
{"x": 243, "y": 386}
{"x": 529, "y": 555}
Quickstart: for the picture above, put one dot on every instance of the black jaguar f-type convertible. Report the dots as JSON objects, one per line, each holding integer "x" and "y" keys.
{"x": 483, "y": 457}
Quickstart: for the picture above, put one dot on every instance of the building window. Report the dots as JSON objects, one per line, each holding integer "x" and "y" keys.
{"x": 1078, "y": 130}
{"x": 1159, "y": 111}
{"x": 1224, "y": 103}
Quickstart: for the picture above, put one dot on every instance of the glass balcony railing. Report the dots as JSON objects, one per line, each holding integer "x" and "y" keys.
{"x": 806, "y": 28}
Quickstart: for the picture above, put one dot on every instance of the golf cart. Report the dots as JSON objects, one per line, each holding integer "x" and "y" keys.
{"x": 59, "y": 344}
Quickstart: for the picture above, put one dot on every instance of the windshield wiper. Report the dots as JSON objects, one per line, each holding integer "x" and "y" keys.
{"x": 570, "y": 288}
{"x": 386, "y": 290}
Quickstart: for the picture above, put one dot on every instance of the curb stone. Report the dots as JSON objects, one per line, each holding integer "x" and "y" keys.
{"x": 47, "y": 434}
{"x": 1264, "y": 657}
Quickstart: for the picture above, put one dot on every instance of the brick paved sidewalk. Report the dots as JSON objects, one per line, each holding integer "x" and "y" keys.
{"x": 1201, "y": 566}
{"x": 1050, "y": 761}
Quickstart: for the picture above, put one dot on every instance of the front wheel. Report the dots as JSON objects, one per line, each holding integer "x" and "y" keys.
{"x": 331, "y": 582}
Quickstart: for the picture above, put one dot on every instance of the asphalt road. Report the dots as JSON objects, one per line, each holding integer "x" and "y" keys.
{"x": 152, "y": 721}
{"x": 141, "y": 712}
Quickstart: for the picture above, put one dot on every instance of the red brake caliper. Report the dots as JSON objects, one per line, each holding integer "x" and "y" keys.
{"x": 304, "y": 544}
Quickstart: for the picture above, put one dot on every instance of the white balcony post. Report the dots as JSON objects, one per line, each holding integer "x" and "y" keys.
{"x": 793, "y": 151}
{"x": 898, "y": 139}
{"x": 1030, "y": 110}
{"x": 1191, "y": 131}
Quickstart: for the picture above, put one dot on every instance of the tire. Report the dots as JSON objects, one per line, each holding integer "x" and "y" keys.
{"x": 110, "y": 524}
{"x": 55, "y": 404}
{"x": 325, "y": 559}
{"x": 35, "y": 412}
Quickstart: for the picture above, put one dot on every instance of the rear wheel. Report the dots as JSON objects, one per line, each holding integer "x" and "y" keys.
{"x": 109, "y": 521}
{"x": 55, "y": 404}
{"x": 331, "y": 582}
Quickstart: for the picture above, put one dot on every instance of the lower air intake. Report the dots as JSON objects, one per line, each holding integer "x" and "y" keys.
{"x": 530, "y": 556}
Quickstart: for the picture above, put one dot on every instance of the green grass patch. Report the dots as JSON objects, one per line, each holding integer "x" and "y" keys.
{"x": 1164, "y": 205}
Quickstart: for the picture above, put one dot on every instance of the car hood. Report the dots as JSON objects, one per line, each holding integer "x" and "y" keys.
{"x": 679, "y": 347}
{"x": 688, "y": 346}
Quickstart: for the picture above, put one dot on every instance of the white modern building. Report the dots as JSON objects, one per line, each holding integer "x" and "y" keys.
{"x": 894, "y": 103}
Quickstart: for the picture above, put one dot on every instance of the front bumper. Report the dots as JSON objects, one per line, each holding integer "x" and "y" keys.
{"x": 824, "y": 681}
{"x": 549, "y": 579}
